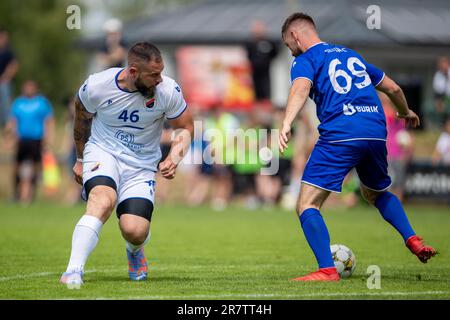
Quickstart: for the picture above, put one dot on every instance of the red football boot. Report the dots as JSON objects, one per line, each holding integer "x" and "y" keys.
{"x": 416, "y": 246}
{"x": 323, "y": 274}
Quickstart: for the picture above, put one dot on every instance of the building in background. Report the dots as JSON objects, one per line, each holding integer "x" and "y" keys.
{"x": 203, "y": 45}
{"x": 400, "y": 47}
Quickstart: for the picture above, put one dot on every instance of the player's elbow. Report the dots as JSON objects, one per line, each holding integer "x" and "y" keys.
{"x": 301, "y": 87}
{"x": 395, "y": 89}
{"x": 389, "y": 87}
{"x": 185, "y": 131}
{"x": 302, "y": 90}
{"x": 392, "y": 89}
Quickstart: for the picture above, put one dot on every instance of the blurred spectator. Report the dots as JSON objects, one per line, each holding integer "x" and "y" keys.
{"x": 224, "y": 154}
{"x": 200, "y": 178}
{"x": 305, "y": 135}
{"x": 350, "y": 190}
{"x": 73, "y": 192}
{"x": 441, "y": 87}
{"x": 32, "y": 124}
{"x": 269, "y": 186}
{"x": 349, "y": 196}
{"x": 247, "y": 165}
{"x": 442, "y": 151}
{"x": 8, "y": 69}
{"x": 399, "y": 146}
{"x": 113, "y": 53}
{"x": 261, "y": 51}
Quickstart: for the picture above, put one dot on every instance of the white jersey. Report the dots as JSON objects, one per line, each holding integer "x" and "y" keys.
{"x": 126, "y": 124}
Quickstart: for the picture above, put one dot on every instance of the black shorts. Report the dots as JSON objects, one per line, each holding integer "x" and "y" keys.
{"x": 206, "y": 169}
{"x": 284, "y": 171}
{"x": 221, "y": 170}
{"x": 29, "y": 150}
{"x": 244, "y": 183}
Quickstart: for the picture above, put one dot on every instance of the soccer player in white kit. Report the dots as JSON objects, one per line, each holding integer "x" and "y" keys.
{"x": 117, "y": 130}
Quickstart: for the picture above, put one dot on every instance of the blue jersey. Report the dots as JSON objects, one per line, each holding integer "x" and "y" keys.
{"x": 30, "y": 115}
{"x": 343, "y": 88}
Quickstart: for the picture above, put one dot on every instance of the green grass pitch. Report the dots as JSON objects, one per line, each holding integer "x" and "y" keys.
{"x": 196, "y": 253}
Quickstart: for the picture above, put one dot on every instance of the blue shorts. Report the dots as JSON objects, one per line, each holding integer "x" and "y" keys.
{"x": 329, "y": 163}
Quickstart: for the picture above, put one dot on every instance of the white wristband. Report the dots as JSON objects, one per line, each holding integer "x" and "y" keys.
{"x": 80, "y": 160}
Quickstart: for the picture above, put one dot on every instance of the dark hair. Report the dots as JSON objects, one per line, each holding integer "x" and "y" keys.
{"x": 144, "y": 51}
{"x": 446, "y": 119}
{"x": 294, "y": 17}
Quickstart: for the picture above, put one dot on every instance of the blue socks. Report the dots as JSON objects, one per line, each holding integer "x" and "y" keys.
{"x": 392, "y": 211}
{"x": 317, "y": 235}
{"x": 316, "y": 232}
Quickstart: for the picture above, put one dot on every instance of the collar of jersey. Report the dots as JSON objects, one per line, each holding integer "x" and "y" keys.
{"x": 117, "y": 83}
{"x": 322, "y": 42}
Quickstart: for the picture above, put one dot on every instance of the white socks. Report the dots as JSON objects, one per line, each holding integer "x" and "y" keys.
{"x": 133, "y": 248}
{"x": 84, "y": 240}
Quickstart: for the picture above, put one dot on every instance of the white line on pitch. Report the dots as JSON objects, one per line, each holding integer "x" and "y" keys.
{"x": 45, "y": 274}
{"x": 25, "y": 276}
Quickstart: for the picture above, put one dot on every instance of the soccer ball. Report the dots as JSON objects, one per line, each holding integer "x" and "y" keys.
{"x": 344, "y": 260}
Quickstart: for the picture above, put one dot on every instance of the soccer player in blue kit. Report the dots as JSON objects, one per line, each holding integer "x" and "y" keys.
{"x": 352, "y": 135}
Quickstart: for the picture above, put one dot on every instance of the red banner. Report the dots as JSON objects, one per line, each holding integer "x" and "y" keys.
{"x": 215, "y": 76}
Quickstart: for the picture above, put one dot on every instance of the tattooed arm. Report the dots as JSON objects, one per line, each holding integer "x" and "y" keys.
{"x": 81, "y": 133}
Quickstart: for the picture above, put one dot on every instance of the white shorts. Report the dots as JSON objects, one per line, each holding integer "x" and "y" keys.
{"x": 131, "y": 181}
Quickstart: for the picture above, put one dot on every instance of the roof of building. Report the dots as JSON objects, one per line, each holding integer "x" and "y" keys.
{"x": 403, "y": 22}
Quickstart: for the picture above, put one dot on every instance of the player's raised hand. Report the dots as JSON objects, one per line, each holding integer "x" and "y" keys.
{"x": 283, "y": 139}
{"x": 411, "y": 118}
{"x": 168, "y": 168}
{"x": 78, "y": 172}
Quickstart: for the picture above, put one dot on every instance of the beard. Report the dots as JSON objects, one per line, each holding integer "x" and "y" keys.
{"x": 145, "y": 91}
{"x": 296, "y": 52}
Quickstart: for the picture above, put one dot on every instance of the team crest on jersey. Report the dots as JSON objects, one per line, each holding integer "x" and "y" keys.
{"x": 150, "y": 103}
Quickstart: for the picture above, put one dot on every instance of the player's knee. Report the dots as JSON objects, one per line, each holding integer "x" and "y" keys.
{"x": 135, "y": 238}
{"x": 134, "y": 233}
{"x": 369, "y": 195}
{"x": 101, "y": 200}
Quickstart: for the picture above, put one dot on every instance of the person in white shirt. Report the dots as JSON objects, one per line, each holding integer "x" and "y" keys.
{"x": 441, "y": 84}
{"x": 117, "y": 130}
{"x": 442, "y": 151}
